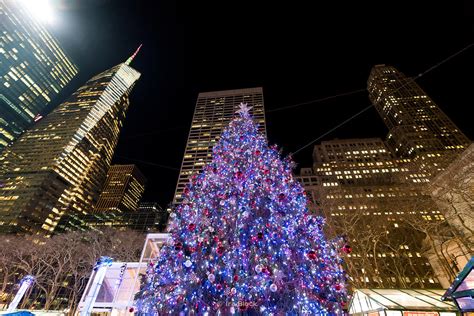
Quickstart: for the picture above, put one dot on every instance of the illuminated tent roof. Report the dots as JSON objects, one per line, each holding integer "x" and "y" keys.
{"x": 372, "y": 300}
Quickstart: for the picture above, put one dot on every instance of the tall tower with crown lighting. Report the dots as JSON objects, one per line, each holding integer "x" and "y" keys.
{"x": 58, "y": 167}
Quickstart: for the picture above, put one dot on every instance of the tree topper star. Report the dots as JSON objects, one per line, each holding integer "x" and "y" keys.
{"x": 244, "y": 109}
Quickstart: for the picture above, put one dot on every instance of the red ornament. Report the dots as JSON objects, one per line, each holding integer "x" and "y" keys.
{"x": 239, "y": 174}
{"x": 267, "y": 271}
{"x": 260, "y": 236}
{"x": 131, "y": 310}
{"x": 236, "y": 278}
{"x": 347, "y": 248}
{"x": 337, "y": 287}
{"x": 186, "y": 190}
{"x": 220, "y": 250}
{"x": 312, "y": 254}
{"x": 191, "y": 226}
{"x": 178, "y": 246}
{"x": 219, "y": 287}
{"x": 257, "y": 152}
{"x": 281, "y": 196}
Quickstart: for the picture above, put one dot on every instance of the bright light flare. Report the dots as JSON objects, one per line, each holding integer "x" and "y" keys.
{"x": 42, "y": 10}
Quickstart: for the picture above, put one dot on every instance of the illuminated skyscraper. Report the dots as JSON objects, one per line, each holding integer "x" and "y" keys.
{"x": 33, "y": 70}
{"x": 122, "y": 191}
{"x": 375, "y": 193}
{"x": 213, "y": 112}
{"x": 377, "y": 202}
{"x": 59, "y": 166}
{"x": 418, "y": 128}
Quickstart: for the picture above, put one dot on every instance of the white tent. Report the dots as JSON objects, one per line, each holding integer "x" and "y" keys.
{"x": 113, "y": 292}
{"x": 400, "y": 302}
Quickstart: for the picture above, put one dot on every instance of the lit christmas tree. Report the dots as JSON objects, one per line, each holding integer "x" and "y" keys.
{"x": 243, "y": 240}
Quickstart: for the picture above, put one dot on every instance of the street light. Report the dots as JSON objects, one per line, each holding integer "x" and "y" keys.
{"x": 42, "y": 10}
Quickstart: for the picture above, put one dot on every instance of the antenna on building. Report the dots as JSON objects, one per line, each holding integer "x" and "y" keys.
{"x": 129, "y": 60}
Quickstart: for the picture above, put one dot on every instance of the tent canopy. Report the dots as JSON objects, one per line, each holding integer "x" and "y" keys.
{"x": 372, "y": 300}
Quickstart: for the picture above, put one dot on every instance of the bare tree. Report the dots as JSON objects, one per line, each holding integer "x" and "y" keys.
{"x": 8, "y": 269}
{"x": 63, "y": 263}
{"x": 378, "y": 225}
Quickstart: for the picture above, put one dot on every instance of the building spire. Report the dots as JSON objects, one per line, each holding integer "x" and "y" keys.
{"x": 129, "y": 60}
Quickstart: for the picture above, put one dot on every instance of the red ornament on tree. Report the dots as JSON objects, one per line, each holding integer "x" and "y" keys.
{"x": 219, "y": 287}
{"x": 257, "y": 152}
{"x": 281, "y": 197}
{"x": 312, "y": 254}
{"x": 131, "y": 310}
{"x": 337, "y": 287}
{"x": 236, "y": 278}
{"x": 267, "y": 271}
{"x": 220, "y": 250}
{"x": 178, "y": 246}
{"x": 347, "y": 248}
{"x": 191, "y": 226}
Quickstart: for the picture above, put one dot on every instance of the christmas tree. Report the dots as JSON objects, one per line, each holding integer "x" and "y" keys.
{"x": 243, "y": 239}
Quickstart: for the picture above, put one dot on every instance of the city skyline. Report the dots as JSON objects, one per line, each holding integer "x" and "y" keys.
{"x": 181, "y": 57}
{"x": 373, "y": 191}
{"x": 57, "y": 168}
{"x": 273, "y": 158}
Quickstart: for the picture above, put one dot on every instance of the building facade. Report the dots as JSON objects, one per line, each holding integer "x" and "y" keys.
{"x": 374, "y": 192}
{"x": 122, "y": 191}
{"x": 418, "y": 128}
{"x": 213, "y": 112}
{"x": 151, "y": 212}
{"x": 149, "y": 217}
{"x": 33, "y": 70}
{"x": 373, "y": 199}
{"x": 453, "y": 192}
{"x": 59, "y": 166}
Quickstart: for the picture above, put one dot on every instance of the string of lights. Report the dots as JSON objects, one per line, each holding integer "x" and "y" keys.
{"x": 287, "y": 107}
{"x": 384, "y": 96}
{"x": 365, "y": 109}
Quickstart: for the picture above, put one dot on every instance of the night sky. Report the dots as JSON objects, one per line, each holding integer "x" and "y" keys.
{"x": 296, "y": 52}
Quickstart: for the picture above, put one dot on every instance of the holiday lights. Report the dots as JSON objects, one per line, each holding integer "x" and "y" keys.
{"x": 243, "y": 239}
